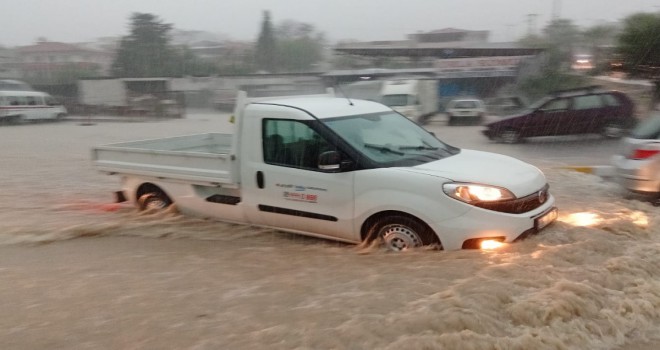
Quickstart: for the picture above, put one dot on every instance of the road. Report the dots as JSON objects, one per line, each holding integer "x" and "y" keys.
{"x": 577, "y": 150}
{"x": 77, "y": 272}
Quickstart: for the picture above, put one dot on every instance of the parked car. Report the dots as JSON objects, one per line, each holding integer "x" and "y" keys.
{"x": 576, "y": 111}
{"x": 464, "y": 110}
{"x": 638, "y": 164}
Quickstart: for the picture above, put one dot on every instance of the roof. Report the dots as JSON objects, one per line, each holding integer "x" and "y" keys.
{"x": 326, "y": 107}
{"x": 440, "y": 50}
{"x": 450, "y": 30}
{"x": 51, "y": 46}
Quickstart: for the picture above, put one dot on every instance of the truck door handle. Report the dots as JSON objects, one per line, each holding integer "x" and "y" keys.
{"x": 260, "y": 179}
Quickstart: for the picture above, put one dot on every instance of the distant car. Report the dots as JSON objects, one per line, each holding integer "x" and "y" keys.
{"x": 577, "y": 111}
{"x": 638, "y": 164}
{"x": 465, "y": 109}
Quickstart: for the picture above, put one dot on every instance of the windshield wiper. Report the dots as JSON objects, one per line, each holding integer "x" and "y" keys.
{"x": 419, "y": 148}
{"x": 383, "y": 148}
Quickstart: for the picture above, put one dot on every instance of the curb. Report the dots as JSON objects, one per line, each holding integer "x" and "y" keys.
{"x": 598, "y": 170}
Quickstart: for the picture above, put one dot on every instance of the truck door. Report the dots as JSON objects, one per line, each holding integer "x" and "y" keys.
{"x": 284, "y": 184}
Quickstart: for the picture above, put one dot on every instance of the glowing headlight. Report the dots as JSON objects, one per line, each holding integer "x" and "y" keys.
{"x": 471, "y": 193}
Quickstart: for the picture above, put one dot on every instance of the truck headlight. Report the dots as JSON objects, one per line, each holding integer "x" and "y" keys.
{"x": 471, "y": 193}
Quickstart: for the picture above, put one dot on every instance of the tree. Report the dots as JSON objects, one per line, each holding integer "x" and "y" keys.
{"x": 299, "y": 46}
{"x": 599, "y": 41}
{"x": 266, "y": 55}
{"x": 639, "y": 43}
{"x": 559, "y": 38}
{"x": 639, "y": 47}
{"x": 145, "y": 52}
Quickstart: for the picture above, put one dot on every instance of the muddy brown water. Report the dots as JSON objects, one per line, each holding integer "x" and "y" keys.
{"x": 77, "y": 272}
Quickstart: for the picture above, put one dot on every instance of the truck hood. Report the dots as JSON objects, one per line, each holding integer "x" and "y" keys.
{"x": 486, "y": 168}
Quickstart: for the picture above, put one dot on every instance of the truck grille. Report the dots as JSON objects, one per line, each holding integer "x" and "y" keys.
{"x": 520, "y": 205}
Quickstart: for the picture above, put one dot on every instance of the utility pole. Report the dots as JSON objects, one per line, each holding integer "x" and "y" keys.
{"x": 556, "y": 9}
{"x": 531, "y": 23}
{"x": 509, "y": 35}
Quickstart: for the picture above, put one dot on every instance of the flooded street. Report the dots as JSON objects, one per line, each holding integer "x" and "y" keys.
{"x": 79, "y": 272}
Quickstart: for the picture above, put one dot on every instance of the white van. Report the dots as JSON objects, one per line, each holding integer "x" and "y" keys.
{"x": 16, "y": 106}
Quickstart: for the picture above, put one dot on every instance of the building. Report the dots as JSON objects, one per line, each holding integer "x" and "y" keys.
{"x": 464, "y": 61}
{"x": 8, "y": 67}
{"x": 451, "y": 35}
{"x": 43, "y": 61}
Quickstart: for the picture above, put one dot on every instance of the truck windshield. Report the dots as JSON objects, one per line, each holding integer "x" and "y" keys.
{"x": 390, "y": 139}
{"x": 396, "y": 100}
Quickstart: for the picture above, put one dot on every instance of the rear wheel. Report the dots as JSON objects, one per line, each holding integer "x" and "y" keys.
{"x": 154, "y": 201}
{"x": 510, "y": 136}
{"x": 613, "y": 130}
{"x": 400, "y": 233}
{"x": 15, "y": 119}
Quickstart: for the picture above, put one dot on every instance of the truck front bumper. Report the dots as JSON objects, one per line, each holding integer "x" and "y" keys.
{"x": 479, "y": 224}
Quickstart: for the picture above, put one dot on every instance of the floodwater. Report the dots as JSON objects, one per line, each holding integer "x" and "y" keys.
{"x": 78, "y": 272}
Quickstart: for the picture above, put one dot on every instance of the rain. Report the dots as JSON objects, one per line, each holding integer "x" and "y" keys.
{"x": 81, "y": 269}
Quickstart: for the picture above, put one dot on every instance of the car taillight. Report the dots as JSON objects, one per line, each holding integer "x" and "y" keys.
{"x": 641, "y": 153}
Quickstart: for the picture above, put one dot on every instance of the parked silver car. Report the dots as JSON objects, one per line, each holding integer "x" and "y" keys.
{"x": 638, "y": 163}
{"x": 465, "y": 109}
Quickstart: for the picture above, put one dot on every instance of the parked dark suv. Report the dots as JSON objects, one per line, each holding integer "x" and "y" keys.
{"x": 576, "y": 111}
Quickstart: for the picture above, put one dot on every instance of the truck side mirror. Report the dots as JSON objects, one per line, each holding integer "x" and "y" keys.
{"x": 330, "y": 160}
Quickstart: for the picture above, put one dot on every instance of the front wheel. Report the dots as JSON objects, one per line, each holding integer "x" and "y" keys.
{"x": 154, "y": 201}
{"x": 400, "y": 233}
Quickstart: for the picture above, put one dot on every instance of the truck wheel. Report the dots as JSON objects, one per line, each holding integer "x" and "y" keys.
{"x": 452, "y": 120}
{"x": 423, "y": 119}
{"x": 154, "y": 201}
{"x": 399, "y": 233}
{"x": 16, "y": 119}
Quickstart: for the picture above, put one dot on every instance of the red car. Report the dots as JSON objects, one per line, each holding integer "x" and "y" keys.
{"x": 577, "y": 111}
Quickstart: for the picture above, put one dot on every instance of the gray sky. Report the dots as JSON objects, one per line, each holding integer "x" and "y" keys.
{"x": 84, "y": 20}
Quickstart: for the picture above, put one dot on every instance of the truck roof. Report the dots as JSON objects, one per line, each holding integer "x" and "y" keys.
{"x": 328, "y": 107}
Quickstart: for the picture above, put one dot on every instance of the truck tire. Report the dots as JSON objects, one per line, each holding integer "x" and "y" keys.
{"x": 400, "y": 233}
{"x": 423, "y": 119}
{"x": 154, "y": 201}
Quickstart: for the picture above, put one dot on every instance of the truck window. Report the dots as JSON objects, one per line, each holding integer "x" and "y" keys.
{"x": 293, "y": 144}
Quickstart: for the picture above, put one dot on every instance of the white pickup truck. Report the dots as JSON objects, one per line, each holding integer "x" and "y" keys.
{"x": 348, "y": 170}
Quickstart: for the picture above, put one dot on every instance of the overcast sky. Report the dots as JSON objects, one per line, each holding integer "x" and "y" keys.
{"x": 85, "y": 20}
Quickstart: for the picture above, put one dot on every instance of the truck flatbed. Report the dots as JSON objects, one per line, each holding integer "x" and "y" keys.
{"x": 201, "y": 158}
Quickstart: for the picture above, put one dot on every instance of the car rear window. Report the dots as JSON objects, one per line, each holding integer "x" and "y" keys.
{"x": 648, "y": 129}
